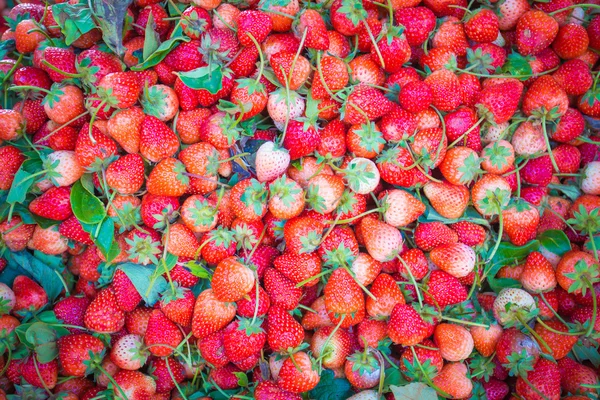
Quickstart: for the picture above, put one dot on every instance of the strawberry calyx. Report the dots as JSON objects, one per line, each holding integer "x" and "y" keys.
{"x": 144, "y": 249}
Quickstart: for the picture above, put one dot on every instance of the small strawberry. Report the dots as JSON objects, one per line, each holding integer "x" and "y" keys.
{"x": 448, "y": 200}
{"x": 53, "y": 204}
{"x": 445, "y": 87}
{"x": 444, "y": 289}
{"x": 134, "y": 384}
{"x": 454, "y": 341}
{"x": 168, "y": 178}
{"x": 126, "y": 174}
{"x": 161, "y": 331}
{"x": 157, "y": 140}
{"x": 104, "y": 315}
{"x": 255, "y": 25}
{"x": 383, "y": 241}
{"x": 271, "y": 162}
{"x": 283, "y": 331}
{"x": 544, "y": 379}
{"x": 125, "y": 127}
{"x": 298, "y": 373}
{"x": 128, "y": 352}
{"x": 125, "y": 292}
{"x": 76, "y": 350}
{"x": 311, "y": 22}
{"x": 431, "y": 235}
{"x": 178, "y": 305}
{"x": 407, "y": 327}
{"x": 521, "y": 221}
{"x": 535, "y": 31}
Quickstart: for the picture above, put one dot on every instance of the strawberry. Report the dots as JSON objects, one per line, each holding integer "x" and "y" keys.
{"x": 134, "y": 385}
{"x": 75, "y": 351}
{"x": 298, "y": 373}
{"x": 344, "y": 299}
{"x": 71, "y": 311}
{"x": 453, "y": 380}
{"x": 283, "y": 331}
{"x": 445, "y": 87}
{"x": 64, "y": 103}
{"x": 499, "y": 102}
{"x": 136, "y": 322}
{"x": 291, "y": 70}
{"x": 53, "y": 204}
{"x": 333, "y": 76}
{"x": 125, "y": 127}
{"x": 394, "y": 50}
{"x": 271, "y": 162}
{"x": 573, "y": 375}
{"x": 510, "y": 302}
{"x": 454, "y": 341}
{"x": 161, "y": 331}
{"x": 364, "y": 70}
{"x": 27, "y": 36}
{"x": 157, "y": 210}
{"x": 423, "y": 355}
{"x": 485, "y": 339}
{"x": 545, "y": 98}
{"x": 482, "y": 26}
{"x": 167, "y": 372}
{"x": 535, "y": 31}
{"x": 124, "y": 87}
{"x": 559, "y": 344}
{"x": 210, "y": 314}
{"x": 324, "y": 193}
{"x": 299, "y": 267}
{"x": 383, "y": 241}
{"x": 311, "y": 22}
{"x": 418, "y": 23}
{"x": 571, "y": 41}
{"x": 34, "y": 114}
{"x": 39, "y": 374}
{"x": 11, "y": 123}
{"x": 126, "y": 174}
{"x": 301, "y": 139}
{"x": 365, "y": 100}
{"x": 457, "y": 259}
{"x": 591, "y": 178}
{"x": 521, "y": 221}
{"x": 255, "y": 25}
{"x": 126, "y": 294}
{"x": 407, "y": 327}
{"x": 249, "y": 97}
{"x": 469, "y": 233}
{"x": 188, "y": 124}
{"x": 168, "y": 178}
{"x": 243, "y": 338}
{"x": 157, "y": 140}
{"x": 128, "y": 353}
{"x": 385, "y": 289}
{"x": 334, "y": 346}
{"x": 444, "y": 289}
{"x": 415, "y": 96}
{"x": 417, "y": 263}
{"x": 430, "y": 235}
{"x": 93, "y": 147}
{"x": 29, "y": 296}
{"x": 544, "y": 379}
{"x": 362, "y": 369}
{"x": 448, "y": 200}
{"x": 281, "y": 290}
{"x": 574, "y": 77}
{"x": 104, "y": 315}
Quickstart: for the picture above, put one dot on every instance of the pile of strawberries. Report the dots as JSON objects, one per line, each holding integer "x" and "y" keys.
{"x": 286, "y": 200}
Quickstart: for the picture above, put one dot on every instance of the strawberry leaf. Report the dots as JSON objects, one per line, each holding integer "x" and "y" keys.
{"x": 331, "y": 388}
{"x": 147, "y": 286}
{"x": 161, "y": 52}
{"x": 209, "y": 77}
{"x": 25, "y": 263}
{"x": 111, "y": 16}
{"x": 518, "y": 66}
{"x": 74, "y": 20}
{"x": 555, "y": 241}
{"x": 414, "y": 391}
{"x": 151, "y": 38}
{"x": 87, "y": 208}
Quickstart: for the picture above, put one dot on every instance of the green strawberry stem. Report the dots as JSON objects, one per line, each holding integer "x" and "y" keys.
{"x": 99, "y": 367}
{"x": 593, "y": 243}
{"x": 312, "y": 278}
{"x": 321, "y": 77}
{"x": 173, "y": 378}
{"x": 585, "y": 5}
{"x": 587, "y": 385}
{"x": 388, "y": 6}
{"x": 239, "y": 155}
{"x": 260, "y": 54}
{"x": 204, "y": 178}
{"x": 60, "y": 71}
{"x": 462, "y": 321}
{"x": 464, "y": 135}
{"x": 413, "y": 280}
{"x": 532, "y": 332}
{"x": 333, "y": 224}
{"x": 420, "y": 168}
{"x": 549, "y": 328}
{"x": 348, "y": 220}
{"x": 368, "y": 28}
{"x": 587, "y": 140}
{"x": 63, "y": 125}
{"x": 303, "y": 307}
{"x": 62, "y": 280}
{"x": 13, "y": 69}
{"x": 167, "y": 236}
{"x": 337, "y": 327}
{"x": 505, "y": 76}
{"x": 536, "y": 390}
{"x": 548, "y": 147}
{"x": 587, "y": 282}
{"x": 93, "y": 118}
{"x": 363, "y": 287}
{"x": 558, "y": 317}
{"x": 499, "y": 239}
{"x": 40, "y": 377}
{"x": 27, "y": 87}
{"x": 426, "y": 347}
{"x": 232, "y": 28}
{"x": 426, "y": 375}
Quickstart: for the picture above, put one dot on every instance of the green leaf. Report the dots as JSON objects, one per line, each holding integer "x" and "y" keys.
{"x": 141, "y": 277}
{"x": 586, "y": 352}
{"x": 36, "y": 269}
{"x": 209, "y": 78}
{"x": 87, "y": 208}
{"x": 161, "y": 52}
{"x": 43, "y": 338}
{"x": 151, "y": 38}
{"x": 517, "y": 65}
{"x": 106, "y": 240}
{"x": 507, "y": 254}
{"x": 414, "y": 391}
{"x": 331, "y": 388}
{"x": 44, "y": 222}
{"x": 6, "y": 47}
{"x": 22, "y": 182}
{"x": 73, "y": 19}
{"x": 111, "y": 17}
{"x": 555, "y": 241}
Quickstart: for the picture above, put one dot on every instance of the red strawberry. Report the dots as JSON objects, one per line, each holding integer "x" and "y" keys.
{"x": 445, "y": 87}
{"x": 545, "y": 98}
{"x": 91, "y": 147}
{"x": 301, "y": 139}
{"x": 407, "y": 327}
{"x": 126, "y": 174}
{"x": 157, "y": 140}
{"x": 75, "y": 350}
{"x": 282, "y": 291}
{"x": 418, "y": 23}
{"x": 283, "y": 331}
{"x": 104, "y": 315}
{"x": 365, "y": 100}
{"x": 535, "y": 31}
{"x": 210, "y": 314}
{"x": 255, "y": 24}
{"x": 42, "y": 375}
{"x": 29, "y": 296}
{"x": 521, "y": 221}
{"x": 53, "y": 204}
{"x": 161, "y": 331}
{"x": 298, "y": 373}
{"x": 469, "y": 233}
{"x": 544, "y": 378}
{"x": 178, "y": 305}
{"x": 11, "y": 160}
{"x": 134, "y": 384}
{"x": 124, "y": 87}
{"x": 498, "y": 102}
{"x": 243, "y": 338}
{"x": 125, "y": 292}
{"x": 71, "y": 311}
{"x": 444, "y": 289}
{"x": 311, "y": 22}
{"x": 430, "y": 235}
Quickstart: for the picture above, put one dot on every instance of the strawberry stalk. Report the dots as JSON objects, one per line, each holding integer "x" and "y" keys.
{"x": 420, "y": 168}
{"x": 348, "y": 220}
{"x": 363, "y": 287}
{"x": 499, "y": 239}
{"x": 549, "y": 328}
{"x": 27, "y": 87}
{"x": 321, "y": 77}
{"x": 60, "y": 71}
{"x": 204, "y": 178}
{"x": 587, "y": 282}
{"x": 233, "y": 29}
{"x": 40, "y": 377}
{"x": 312, "y": 278}
{"x": 412, "y": 280}
{"x": 63, "y": 125}
{"x": 426, "y": 376}
{"x": 464, "y": 135}
{"x": 462, "y": 321}
{"x": 587, "y": 5}
{"x": 13, "y": 69}
{"x": 337, "y": 327}
{"x": 370, "y": 33}
{"x": 532, "y": 332}
{"x": 173, "y": 379}
{"x": 536, "y": 390}
{"x": 547, "y": 141}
